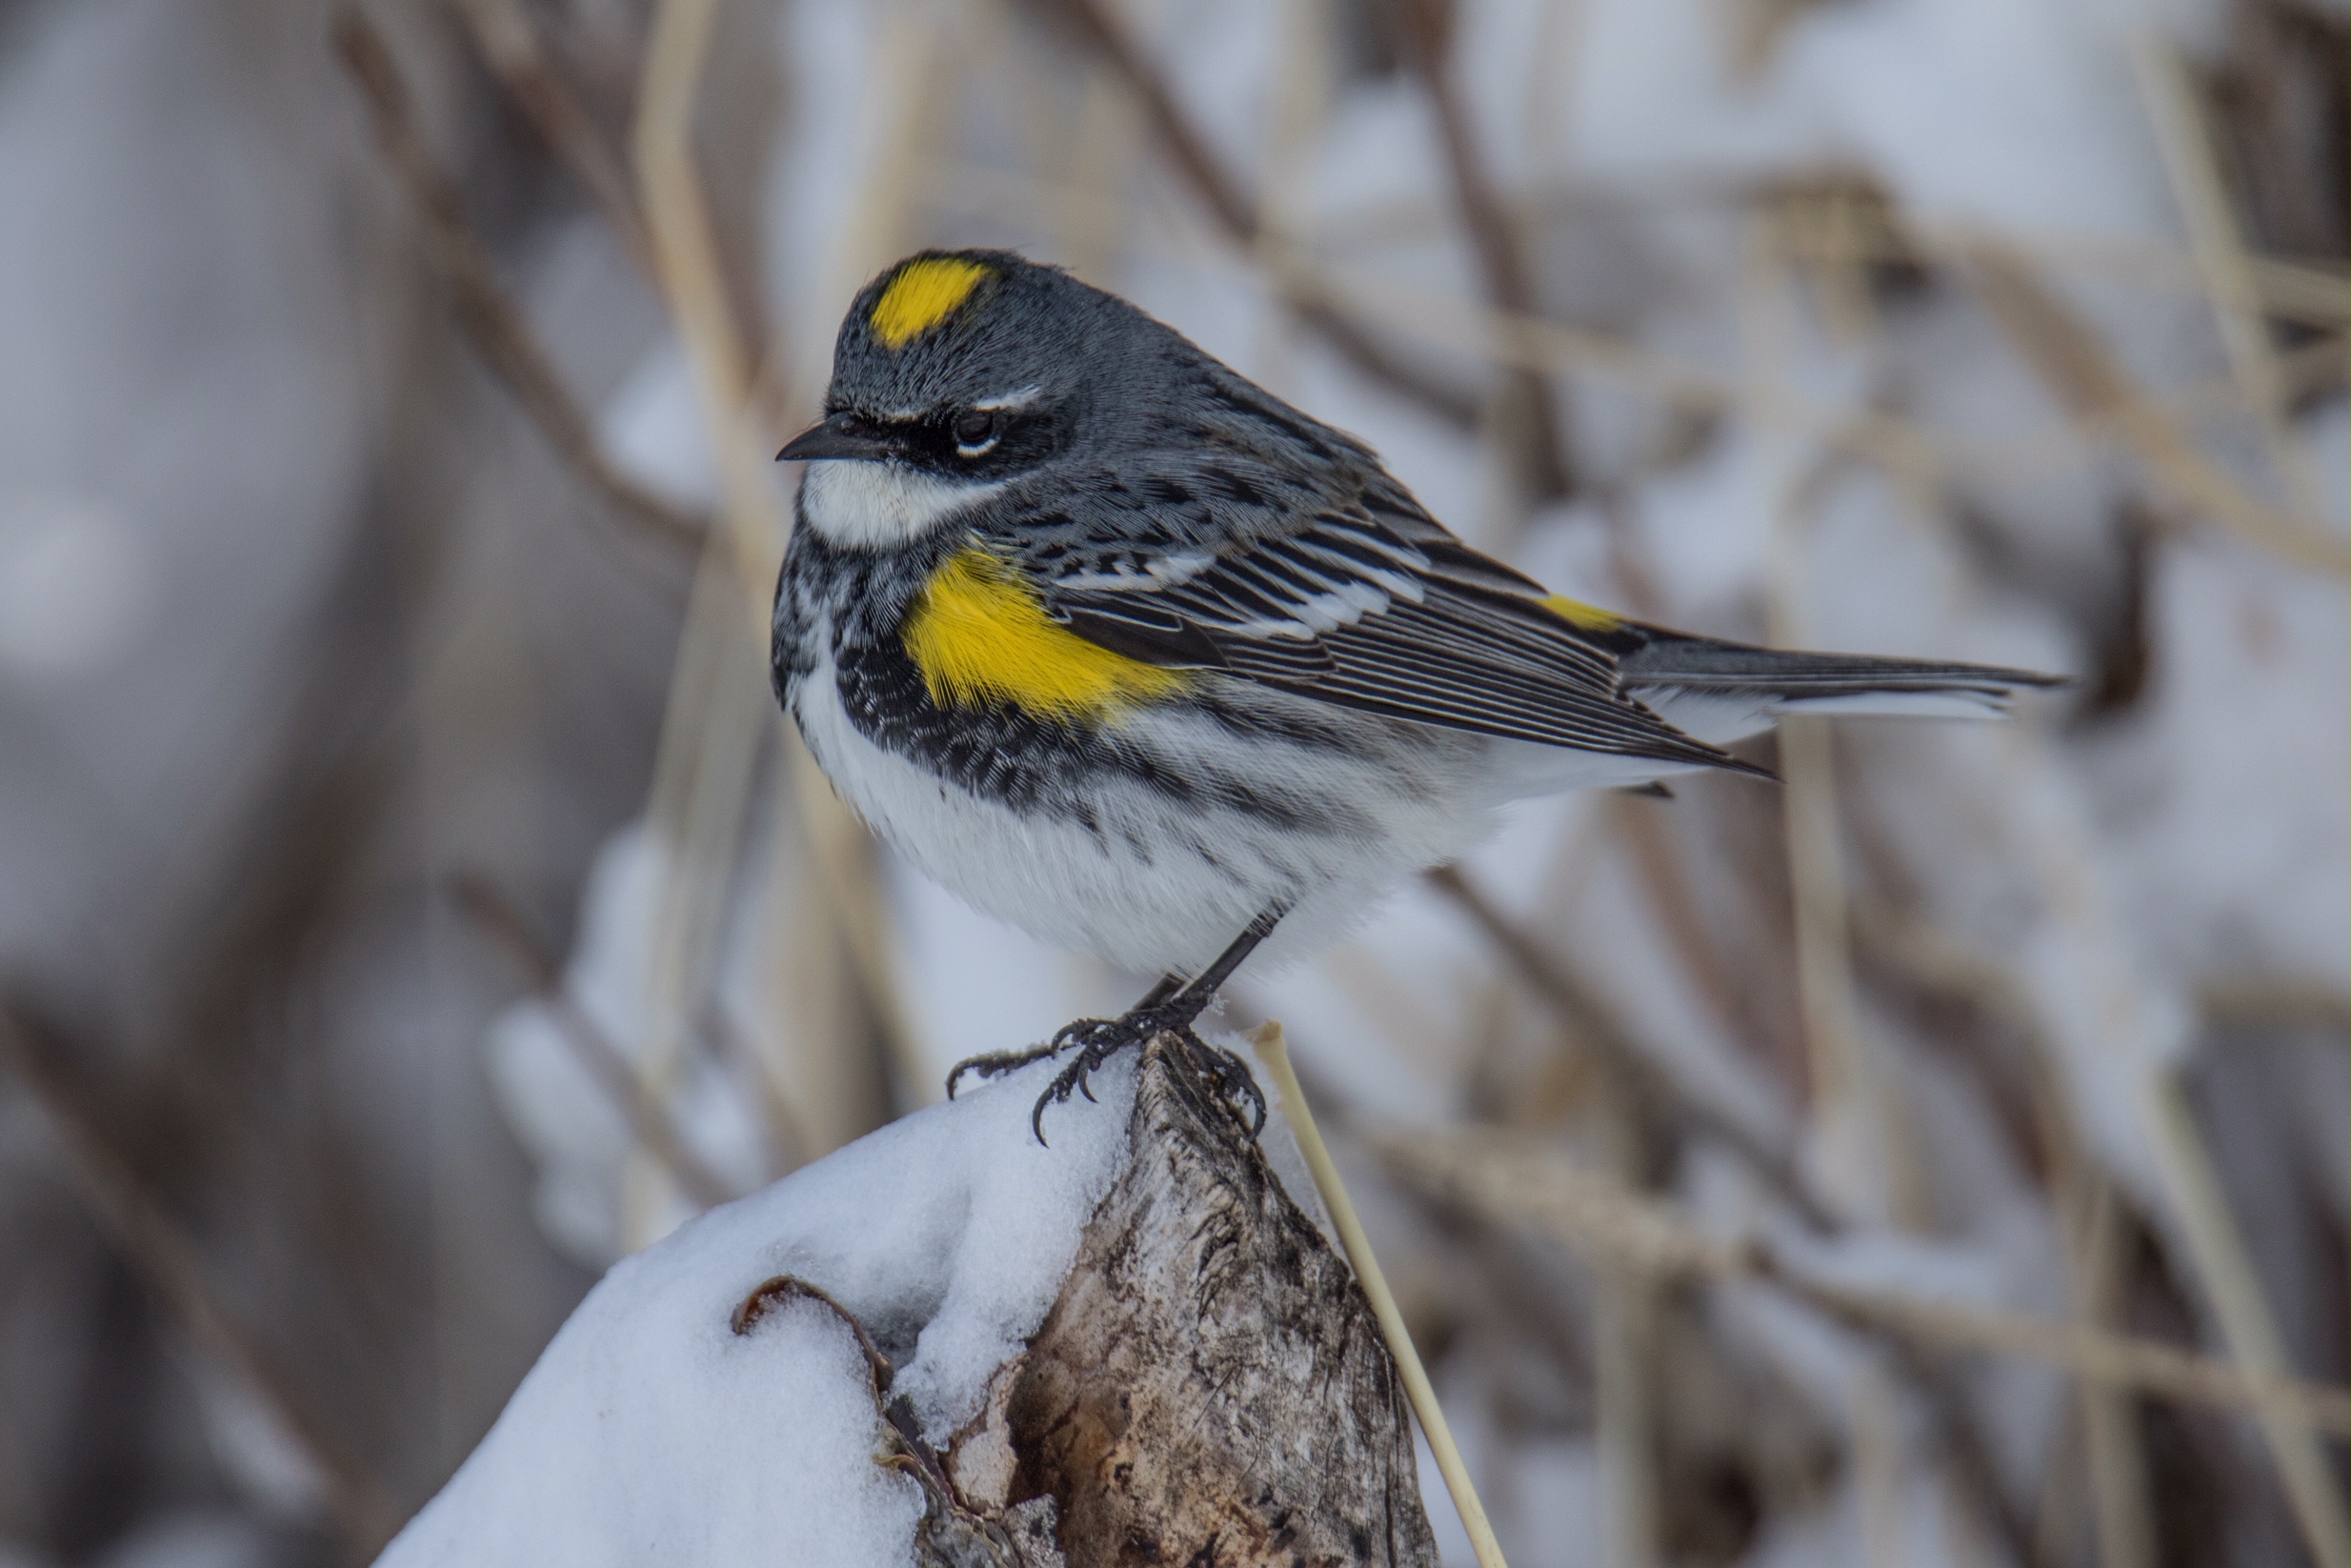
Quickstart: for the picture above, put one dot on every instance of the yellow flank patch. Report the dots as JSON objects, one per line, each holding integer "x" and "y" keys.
{"x": 980, "y": 635}
{"x": 923, "y": 294}
{"x": 1584, "y": 618}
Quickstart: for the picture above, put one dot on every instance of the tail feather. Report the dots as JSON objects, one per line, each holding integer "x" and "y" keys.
{"x": 1721, "y": 691}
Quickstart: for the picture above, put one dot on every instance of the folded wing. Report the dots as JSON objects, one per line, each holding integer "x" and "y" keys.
{"x": 1376, "y": 607}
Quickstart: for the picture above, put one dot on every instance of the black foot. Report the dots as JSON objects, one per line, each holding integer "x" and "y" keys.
{"x": 1169, "y": 1009}
{"x": 990, "y": 1064}
{"x": 1098, "y": 1039}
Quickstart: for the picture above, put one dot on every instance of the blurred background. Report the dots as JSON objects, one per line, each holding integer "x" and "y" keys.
{"x": 410, "y": 901}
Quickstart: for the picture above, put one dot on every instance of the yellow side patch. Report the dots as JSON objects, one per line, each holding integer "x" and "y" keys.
{"x": 979, "y": 635}
{"x": 923, "y": 294}
{"x": 1584, "y": 618}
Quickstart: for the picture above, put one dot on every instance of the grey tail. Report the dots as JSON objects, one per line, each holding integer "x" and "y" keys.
{"x": 1855, "y": 683}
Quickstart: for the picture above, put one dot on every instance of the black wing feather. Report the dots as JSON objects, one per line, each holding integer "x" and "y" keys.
{"x": 1382, "y": 611}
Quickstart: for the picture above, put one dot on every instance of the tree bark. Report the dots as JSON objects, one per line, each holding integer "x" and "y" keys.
{"x": 1210, "y": 1386}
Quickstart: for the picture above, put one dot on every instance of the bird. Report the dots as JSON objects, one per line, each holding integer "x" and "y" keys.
{"x": 1132, "y": 653}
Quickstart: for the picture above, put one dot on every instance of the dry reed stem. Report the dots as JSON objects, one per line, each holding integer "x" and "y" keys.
{"x": 2110, "y": 1428}
{"x": 1904, "y": 447}
{"x": 1236, "y": 216}
{"x": 511, "y": 46}
{"x": 152, "y": 1243}
{"x": 484, "y": 310}
{"x": 1624, "y": 1308}
{"x": 2218, "y": 251}
{"x": 1638, "y": 828}
{"x": 2274, "y": 1002}
{"x": 2215, "y": 1251}
{"x": 1579, "y": 1008}
{"x": 914, "y": 72}
{"x": 649, "y": 1122}
{"x": 719, "y": 706}
{"x": 718, "y": 710}
{"x": 713, "y": 724}
{"x": 2286, "y": 289}
{"x": 1529, "y": 415}
{"x": 1874, "y": 1426}
{"x": 1301, "y": 107}
{"x": 1508, "y": 1179}
{"x": 1579, "y": 1005}
{"x": 2102, "y": 399}
{"x": 2246, "y": 1326}
{"x": 1857, "y": 1116}
{"x": 1900, "y": 445}
{"x": 1275, "y": 1053}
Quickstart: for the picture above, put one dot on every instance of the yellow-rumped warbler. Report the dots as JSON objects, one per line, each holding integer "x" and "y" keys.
{"x": 1125, "y": 650}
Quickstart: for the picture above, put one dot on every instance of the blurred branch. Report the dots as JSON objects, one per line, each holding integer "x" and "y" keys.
{"x": 720, "y": 707}
{"x": 496, "y": 916}
{"x": 1637, "y": 826}
{"x": 1495, "y": 237}
{"x": 485, "y": 311}
{"x": 152, "y": 1243}
{"x": 1609, "y": 1222}
{"x": 2118, "y": 1460}
{"x": 1601, "y": 1030}
{"x": 1275, "y": 1053}
{"x": 2263, "y": 1001}
{"x": 2202, "y": 198}
{"x": 2216, "y": 1246}
{"x": 1902, "y": 446}
{"x": 1580, "y": 1008}
{"x": 1236, "y": 215}
{"x": 511, "y": 45}
{"x": 2066, "y": 354}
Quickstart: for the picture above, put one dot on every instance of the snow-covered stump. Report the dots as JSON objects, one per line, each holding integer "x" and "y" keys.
{"x": 947, "y": 1346}
{"x": 1211, "y": 1385}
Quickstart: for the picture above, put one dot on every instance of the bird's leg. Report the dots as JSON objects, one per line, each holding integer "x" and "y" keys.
{"x": 1164, "y": 1010}
{"x": 989, "y": 1064}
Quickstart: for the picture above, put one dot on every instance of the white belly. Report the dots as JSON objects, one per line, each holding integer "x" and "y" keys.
{"x": 1156, "y": 884}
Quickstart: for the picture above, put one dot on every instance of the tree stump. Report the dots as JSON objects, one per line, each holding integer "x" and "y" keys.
{"x": 1210, "y": 1386}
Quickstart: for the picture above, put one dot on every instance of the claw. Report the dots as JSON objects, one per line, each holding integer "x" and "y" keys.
{"x": 991, "y": 1064}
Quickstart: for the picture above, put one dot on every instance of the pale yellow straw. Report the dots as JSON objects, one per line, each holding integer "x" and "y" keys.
{"x": 1276, "y": 1054}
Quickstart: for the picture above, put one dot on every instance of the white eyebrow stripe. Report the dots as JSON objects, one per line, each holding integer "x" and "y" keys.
{"x": 1020, "y": 399}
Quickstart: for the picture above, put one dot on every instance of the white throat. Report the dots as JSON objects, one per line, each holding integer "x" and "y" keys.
{"x": 875, "y": 506}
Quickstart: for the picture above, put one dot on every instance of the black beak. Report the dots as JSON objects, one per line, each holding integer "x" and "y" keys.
{"x": 838, "y": 435}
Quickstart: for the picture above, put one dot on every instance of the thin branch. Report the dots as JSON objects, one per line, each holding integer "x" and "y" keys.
{"x": 1275, "y": 1053}
{"x": 485, "y": 311}
{"x": 1237, "y": 215}
{"x": 718, "y": 706}
{"x": 2216, "y": 1245}
{"x": 1598, "y": 1025}
{"x": 1495, "y": 238}
{"x": 2202, "y": 198}
{"x": 1606, "y": 1220}
{"x": 515, "y": 53}
{"x": 2093, "y": 390}
{"x": 147, "y": 1237}
{"x": 497, "y": 918}
{"x": 1580, "y": 1008}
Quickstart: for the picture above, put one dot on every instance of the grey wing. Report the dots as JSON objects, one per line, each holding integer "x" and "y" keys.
{"x": 1371, "y": 606}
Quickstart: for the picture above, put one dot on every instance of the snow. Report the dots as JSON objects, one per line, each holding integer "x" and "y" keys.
{"x": 2100, "y": 876}
{"x": 649, "y": 1432}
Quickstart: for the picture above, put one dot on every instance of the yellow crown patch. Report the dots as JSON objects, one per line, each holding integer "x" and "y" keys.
{"x": 923, "y": 294}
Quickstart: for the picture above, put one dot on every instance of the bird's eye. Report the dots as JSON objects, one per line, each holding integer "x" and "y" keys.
{"x": 975, "y": 431}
